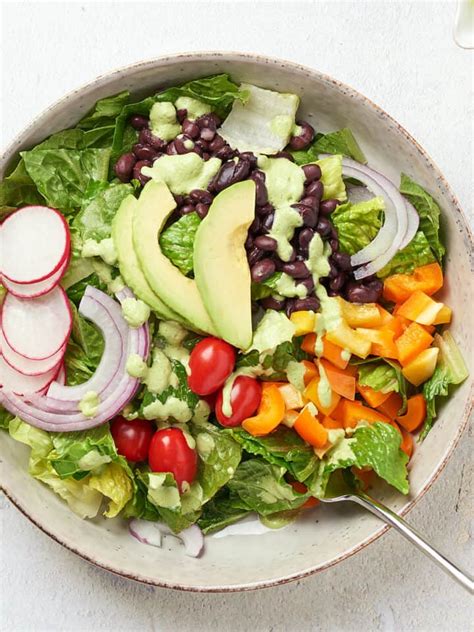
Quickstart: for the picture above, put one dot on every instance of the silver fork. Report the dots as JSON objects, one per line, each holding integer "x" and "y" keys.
{"x": 389, "y": 517}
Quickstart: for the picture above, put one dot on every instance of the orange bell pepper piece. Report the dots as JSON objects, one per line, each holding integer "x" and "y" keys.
{"x": 342, "y": 381}
{"x": 398, "y": 287}
{"x": 413, "y": 341}
{"x": 338, "y": 413}
{"x": 391, "y": 405}
{"x": 270, "y": 412}
{"x": 406, "y": 444}
{"x": 348, "y": 338}
{"x": 365, "y": 476}
{"x": 382, "y": 342}
{"x": 310, "y": 371}
{"x": 331, "y": 351}
{"x": 332, "y": 424}
{"x": 309, "y": 429}
{"x": 353, "y": 413}
{"x": 415, "y": 415}
{"x": 302, "y": 489}
{"x": 360, "y": 314}
{"x": 372, "y": 397}
{"x": 311, "y": 393}
{"x": 420, "y": 308}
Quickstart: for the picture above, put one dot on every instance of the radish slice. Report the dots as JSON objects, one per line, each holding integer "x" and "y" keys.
{"x": 37, "y": 329}
{"x": 151, "y": 533}
{"x": 61, "y": 376}
{"x": 25, "y": 365}
{"x": 34, "y": 242}
{"x": 413, "y": 223}
{"x": 104, "y": 312}
{"x": 33, "y": 290}
{"x": 21, "y": 384}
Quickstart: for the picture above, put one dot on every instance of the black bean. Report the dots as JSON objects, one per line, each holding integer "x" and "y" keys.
{"x": 265, "y": 210}
{"x": 124, "y": 167}
{"x": 334, "y": 243}
{"x": 261, "y": 270}
{"x": 326, "y": 207}
{"x": 187, "y": 208}
{"x": 191, "y": 129}
{"x": 171, "y": 149}
{"x": 308, "y": 283}
{"x": 296, "y": 269}
{"x": 311, "y": 201}
{"x": 255, "y": 226}
{"x": 312, "y": 173}
{"x": 197, "y": 150}
{"x": 250, "y": 157}
{"x": 202, "y": 209}
{"x": 181, "y": 114}
{"x": 342, "y": 261}
{"x": 242, "y": 170}
{"x": 266, "y": 243}
{"x": 147, "y": 138}
{"x": 357, "y": 292}
{"x": 323, "y": 227}
{"x": 216, "y": 144}
{"x": 285, "y": 154}
{"x": 211, "y": 121}
{"x": 208, "y": 134}
{"x": 304, "y": 138}
{"x": 333, "y": 292}
{"x": 229, "y": 174}
{"x": 333, "y": 271}
{"x": 138, "y": 121}
{"x": 248, "y": 242}
{"x": 261, "y": 194}
{"x": 270, "y": 302}
{"x": 254, "y": 255}
{"x": 375, "y": 285}
{"x": 144, "y": 152}
{"x": 137, "y": 171}
{"x": 308, "y": 214}
{"x": 225, "y": 153}
{"x": 337, "y": 282}
{"x": 179, "y": 199}
{"x": 307, "y": 303}
{"x": 206, "y": 155}
{"x": 203, "y": 144}
{"x": 268, "y": 221}
{"x": 200, "y": 195}
{"x": 304, "y": 238}
{"x": 180, "y": 145}
{"x": 315, "y": 189}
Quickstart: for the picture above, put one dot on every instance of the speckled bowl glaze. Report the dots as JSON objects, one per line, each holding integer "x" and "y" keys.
{"x": 328, "y": 534}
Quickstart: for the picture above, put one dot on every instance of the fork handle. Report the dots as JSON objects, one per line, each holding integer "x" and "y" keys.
{"x": 411, "y": 534}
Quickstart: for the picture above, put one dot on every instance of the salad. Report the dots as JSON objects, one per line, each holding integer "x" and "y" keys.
{"x": 211, "y": 311}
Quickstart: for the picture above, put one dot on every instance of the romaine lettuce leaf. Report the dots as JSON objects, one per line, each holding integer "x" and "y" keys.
{"x": 340, "y": 142}
{"x": 101, "y": 203}
{"x": 181, "y": 392}
{"x": 5, "y": 418}
{"x": 63, "y": 175}
{"x": 114, "y": 483}
{"x": 357, "y": 224}
{"x": 265, "y": 288}
{"x": 18, "y": 189}
{"x": 177, "y": 241}
{"x": 385, "y": 376}
{"x": 429, "y": 213}
{"x": 417, "y": 253}
{"x": 105, "y": 111}
{"x": 262, "y": 488}
{"x": 220, "y": 512}
{"x": 283, "y": 447}
{"x": 331, "y": 177}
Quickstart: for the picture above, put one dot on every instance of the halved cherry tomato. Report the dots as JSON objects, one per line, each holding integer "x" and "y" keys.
{"x": 211, "y": 362}
{"x": 245, "y": 398}
{"x": 132, "y": 437}
{"x": 170, "y": 452}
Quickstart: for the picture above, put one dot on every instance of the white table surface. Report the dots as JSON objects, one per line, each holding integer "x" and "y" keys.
{"x": 401, "y": 55}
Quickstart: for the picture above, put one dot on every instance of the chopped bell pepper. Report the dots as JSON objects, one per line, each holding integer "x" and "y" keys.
{"x": 415, "y": 415}
{"x": 398, "y": 287}
{"x": 342, "y": 381}
{"x": 270, "y": 412}
{"x": 420, "y": 308}
{"x": 422, "y": 367}
{"x": 303, "y": 321}
{"x": 311, "y": 393}
{"x": 391, "y": 406}
{"x": 412, "y": 342}
{"x": 348, "y": 338}
{"x": 360, "y": 314}
{"x": 372, "y": 397}
{"x": 310, "y": 429}
{"x": 353, "y": 413}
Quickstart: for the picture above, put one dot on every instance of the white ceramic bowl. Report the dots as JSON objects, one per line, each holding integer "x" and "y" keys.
{"x": 329, "y": 534}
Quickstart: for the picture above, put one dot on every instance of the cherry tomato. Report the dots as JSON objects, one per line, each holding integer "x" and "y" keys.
{"x": 170, "y": 452}
{"x": 245, "y": 399}
{"x": 211, "y": 362}
{"x": 132, "y": 437}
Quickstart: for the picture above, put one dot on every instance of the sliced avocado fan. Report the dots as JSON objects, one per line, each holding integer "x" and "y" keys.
{"x": 128, "y": 261}
{"x": 221, "y": 269}
{"x": 180, "y": 293}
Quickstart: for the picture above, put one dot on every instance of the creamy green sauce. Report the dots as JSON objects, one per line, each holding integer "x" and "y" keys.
{"x": 318, "y": 258}
{"x": 284, "y": 180}
{"x": 104, "y": 272}
{"x": 163, "y": 122}
{"x": 104, "y": 249}
{"x": 287, "y": 286}
{"x": 274, "y": 328}
{"x": 324, "y": 388}
{"x": 160, "y": 494}
{"x": 295, "y": 372}
{"x": 173, "y": 407}
{"x": 89, "y": 404}
{"x": 272, "y": 492}
{"x": 201, "y": 412}
{"x": 172, "y": 332}
{"x": 329, "y": 318}
{"x": 158, "y": 376}
{"x": 205, "y": 445}
{"x": 194, "y": 107}
{"x": 136, "y": 366}
{"x": 285, "y": 221}
{"x": 135, "y": 312}
{"x": 282, "y": 125}
{"x": 183, "y": 173}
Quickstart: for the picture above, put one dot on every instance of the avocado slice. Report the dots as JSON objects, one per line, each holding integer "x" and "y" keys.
{"x": 220, "y": 263}
{"x": 128, "y": 261}
{"x": 179, "y": 292}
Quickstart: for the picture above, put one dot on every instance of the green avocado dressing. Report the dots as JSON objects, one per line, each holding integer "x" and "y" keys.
{"x": 135, "y": 312}
{"x": 163, "y": 121}
{"x": 194, "y": 108}
{"x": 89, "y": 404}
{"x": 183, "y": 173}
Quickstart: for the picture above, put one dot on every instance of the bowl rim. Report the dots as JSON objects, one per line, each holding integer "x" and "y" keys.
{"x": 210, "y": 56}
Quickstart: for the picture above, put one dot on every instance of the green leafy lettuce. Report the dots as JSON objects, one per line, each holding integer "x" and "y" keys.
{"x": 177, "y": 241}
{"x": 265, "y": 288}
{"x": 181, "y": 391}
{"x": 429, "y": 213}
{"x": 105, "y": 111}
{"x": 358, "y": 224}
{"x": 377, "y": 446}
{"x": 220, "y": 512}
{"x": 340, "y": 142}
{"x": 417, "y": 253}
{"x": 451, "y": 370}
{"x": 18, "y": 189}
{"x": 262, "y": 487}
{"x": 83, "y": 351}
{"x": 278, "y": 359}
{"x": 385, "y": 376}
{"x": 283, "y": 447}
{"x": 101, "y": 203}
{"x": 331, "y": 177}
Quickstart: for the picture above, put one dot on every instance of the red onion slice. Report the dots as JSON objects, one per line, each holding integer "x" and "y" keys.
{"x": 413, "y": 223}
{"x": 151, "y": 533}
